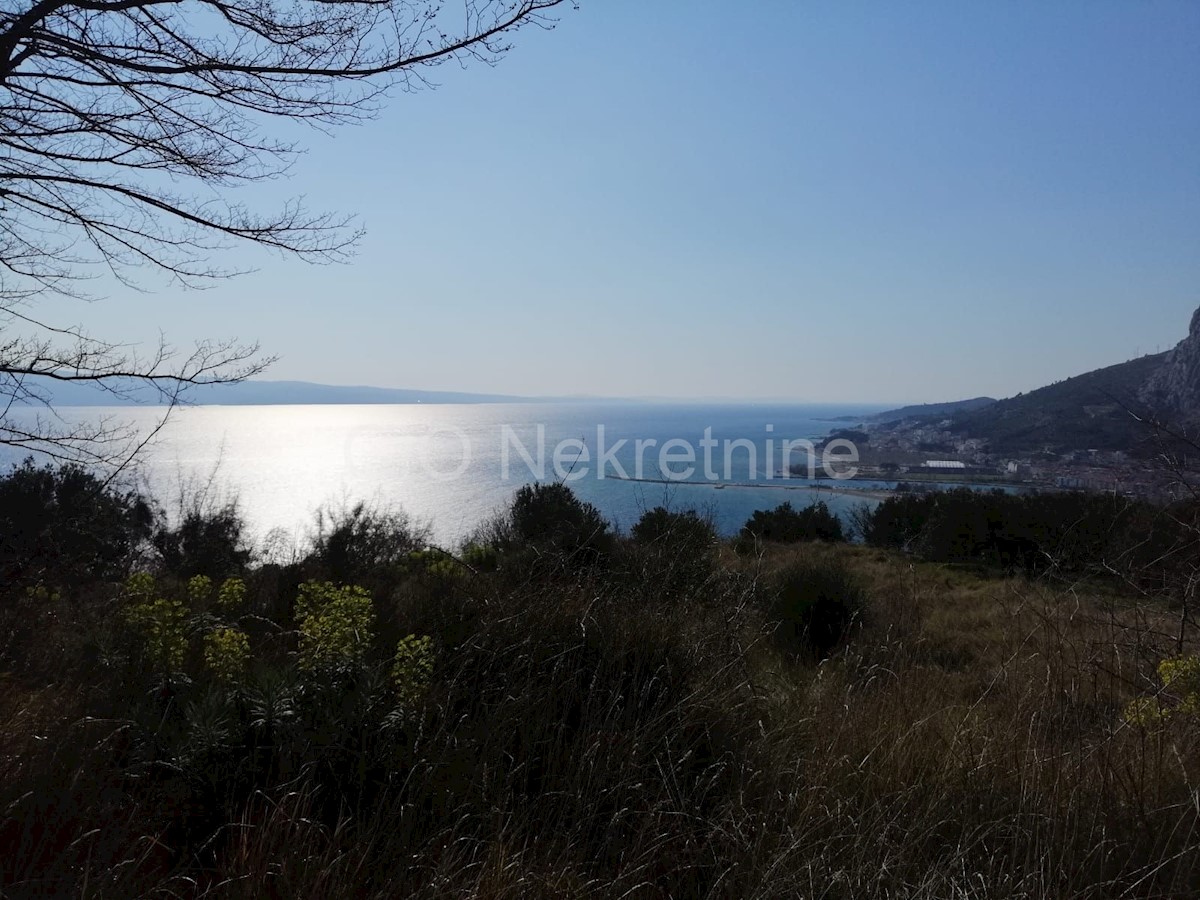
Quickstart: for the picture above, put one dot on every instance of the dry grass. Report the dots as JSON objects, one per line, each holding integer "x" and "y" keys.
{"x": 973, "y": 729}
{"x": 583, "y": 739}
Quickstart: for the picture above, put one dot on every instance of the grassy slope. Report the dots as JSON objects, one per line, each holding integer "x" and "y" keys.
{"x": 966, "y": 743}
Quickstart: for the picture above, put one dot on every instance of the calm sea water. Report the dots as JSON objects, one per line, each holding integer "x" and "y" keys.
{"x": 454, "y": 465}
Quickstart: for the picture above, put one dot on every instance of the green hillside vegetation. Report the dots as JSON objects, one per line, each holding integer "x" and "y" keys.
{"x": 1090, "y": 411}
{"x": 932, "y": 410}
{"x": 556, "y": 709}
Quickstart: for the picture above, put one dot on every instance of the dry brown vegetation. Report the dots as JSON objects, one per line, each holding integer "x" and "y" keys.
{"x": 627, "y": 727}
{"x": 971, "y": 737}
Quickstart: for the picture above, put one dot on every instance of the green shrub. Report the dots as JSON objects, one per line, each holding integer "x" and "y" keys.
{"x": 547, "y": 526}
{"x": 685, "y": 531}
{"x": 433, "y": 563}
{"x": 545, "y": 513}
{"x": 481, "y": 557}
{"x": 815, "y": 604}
{"x": 355, "y": 543}
{"x": 1064, "y": 532}
{"x": 64, "y": 527}
{"x": 206, "y": 542}
{"x": 674, "y": 554}
{"x": 786, "y": 525}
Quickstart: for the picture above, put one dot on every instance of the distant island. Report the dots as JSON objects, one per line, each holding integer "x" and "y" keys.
{"x": 266, "y": 393}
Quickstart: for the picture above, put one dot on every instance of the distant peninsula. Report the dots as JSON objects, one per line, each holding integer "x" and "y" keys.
{"x": 264, "y": 393}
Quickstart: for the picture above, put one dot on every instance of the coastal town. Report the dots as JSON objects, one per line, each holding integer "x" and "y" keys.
{"x": 920, "y": 453}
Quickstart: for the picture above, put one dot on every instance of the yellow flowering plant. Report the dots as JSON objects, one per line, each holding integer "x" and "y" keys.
{"x": 434, "y": 563}
{"x": 336, "y": 625}
{"x": 231, "y": 595}
{"x": 198, "y": 589}
{"x": 412, "y": 668}
{"x": 159, "y": 624}
{"x": 139, "y": 587}
{"x": 1180, "y": 678}
{"x": 227, "y": 653}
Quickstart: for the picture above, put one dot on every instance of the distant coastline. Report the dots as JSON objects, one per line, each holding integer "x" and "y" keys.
{"x": 131, "y": 392}
{"x": 273, "y": 393}
{"x": 781, "y": 483}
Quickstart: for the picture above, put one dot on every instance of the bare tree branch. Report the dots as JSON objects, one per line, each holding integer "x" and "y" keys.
{"x": 110, "y": 108}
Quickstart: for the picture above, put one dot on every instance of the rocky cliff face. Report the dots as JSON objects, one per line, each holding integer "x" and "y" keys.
{"x": 1174, "y": 389}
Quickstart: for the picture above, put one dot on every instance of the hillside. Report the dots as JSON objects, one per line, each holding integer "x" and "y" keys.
{"x": 1106, "y": 409}
{"x": 1089, "y": 411}
{"x": 931, "y": 410}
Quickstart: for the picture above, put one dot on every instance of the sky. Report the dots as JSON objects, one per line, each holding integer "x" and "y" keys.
{"x": 820, "y": 202}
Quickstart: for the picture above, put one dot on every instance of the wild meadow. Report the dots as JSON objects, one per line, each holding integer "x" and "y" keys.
{"x": 555, "y": 709}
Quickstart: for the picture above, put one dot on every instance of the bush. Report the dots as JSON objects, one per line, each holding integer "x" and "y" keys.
{"x": 551, "y": 512}
{"x": 674, "y": 554}
{"x": 548, "y": 523}
{"x": 355, "y": 543}
{"x": 210, "y": 543}
{"x": 684, "y": 531}
{"x": 1066, "y": 532}
{"x": 480, "y": 557}
{"x": 815, "y": 606}
{"x": 785, "y": 525}
{"x": 64, "y": 527}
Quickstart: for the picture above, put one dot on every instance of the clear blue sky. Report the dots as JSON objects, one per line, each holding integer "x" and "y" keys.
{"x": 814, "y": 201}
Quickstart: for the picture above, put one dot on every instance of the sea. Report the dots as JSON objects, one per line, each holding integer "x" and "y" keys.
{"x": 452, "y": 466}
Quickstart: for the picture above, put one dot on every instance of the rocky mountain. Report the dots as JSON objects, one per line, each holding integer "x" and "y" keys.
{"x": 1173, "y": 391}
{"x": 1098, "y": 410}
{"x": 1106, "y": 409}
